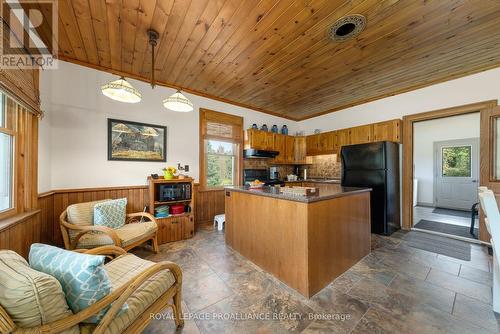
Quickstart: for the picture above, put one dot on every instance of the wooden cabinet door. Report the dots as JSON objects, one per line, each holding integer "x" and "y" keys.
{"x": 312, "y": 144}
{"x": 289, "y": 149}
{"x": 256, "y": 139}
{"x": 269, "y": 140}
{"x": 300, "y": 150}
{"x": 387, "y": 131}
{"x": 326, "y": 142}
{"x": 361, "y": 134}
{"x": 188, "y": 227}
{"x": 341, "y": 139}
{"x": 279, "y": 145}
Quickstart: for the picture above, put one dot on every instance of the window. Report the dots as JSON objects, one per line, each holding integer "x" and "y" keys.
{"x": 221, "y": 163}
{"x": 6, "y": 158}
{"x": 221, "y": 138}
{"x": 456, "y": 161}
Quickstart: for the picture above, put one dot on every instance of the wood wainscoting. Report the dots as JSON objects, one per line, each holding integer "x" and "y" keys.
{"x": 19, "y": 232}
{"x": 52, "y": 204}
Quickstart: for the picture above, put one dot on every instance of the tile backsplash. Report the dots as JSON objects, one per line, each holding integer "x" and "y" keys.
{"x": 324, "y": 166}
{"x": 284, "y": 170}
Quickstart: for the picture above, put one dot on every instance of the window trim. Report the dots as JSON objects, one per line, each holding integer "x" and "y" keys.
{"x": 211, "y": 115}
{"x": 13, "y": 133}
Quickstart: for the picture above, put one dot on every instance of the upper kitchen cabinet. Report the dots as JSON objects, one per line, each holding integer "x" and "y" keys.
{"x": 326, "y": 142}
{"x": 387, "y": 131}
{"x": 289, "y": 149}
{"x": 312, "y": 145}
{"x": 279, "y": 145}
{"x": 361, "y": 134}
{"x": 300, "y": 150}
{"x": 259, "y": 140}
{"x": 341, "y": 138}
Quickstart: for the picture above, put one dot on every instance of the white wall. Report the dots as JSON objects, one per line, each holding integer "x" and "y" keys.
{"x": 475, "y": 88}
{"x": 75, "y": 125}
{"x": 73, "y": 136}
{"x": 428, "y": 132}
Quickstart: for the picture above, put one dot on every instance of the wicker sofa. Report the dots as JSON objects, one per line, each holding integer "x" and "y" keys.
{"x": 78, "y": 231}
{"x": 145, "y": 286}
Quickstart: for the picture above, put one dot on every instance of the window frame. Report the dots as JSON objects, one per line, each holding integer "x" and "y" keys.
{"x": 12, "y": 132}
{"x": 206, "y": 116}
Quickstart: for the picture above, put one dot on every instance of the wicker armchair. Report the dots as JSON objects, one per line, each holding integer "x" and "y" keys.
{"x": 132, "y": 288}
{"x": 78, "y": 231}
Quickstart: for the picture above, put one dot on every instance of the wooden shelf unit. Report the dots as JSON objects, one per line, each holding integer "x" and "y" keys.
{"x": 173, "y": 227}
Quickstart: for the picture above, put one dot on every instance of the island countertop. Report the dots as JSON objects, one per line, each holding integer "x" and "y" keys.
{"x": 332, "y": 191}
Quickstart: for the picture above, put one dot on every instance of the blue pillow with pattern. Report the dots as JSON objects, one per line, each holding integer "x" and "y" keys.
{"x": 111, "y": 213}
{"x": 83, "y": 277}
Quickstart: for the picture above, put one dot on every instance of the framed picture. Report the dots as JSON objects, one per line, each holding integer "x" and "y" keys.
{"x": 133, "y": 141}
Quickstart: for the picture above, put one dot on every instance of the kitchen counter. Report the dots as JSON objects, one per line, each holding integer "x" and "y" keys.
{"x": 325, "y": 193}
{"x": 304, "y": 242}
{"x": 328, "y": 181}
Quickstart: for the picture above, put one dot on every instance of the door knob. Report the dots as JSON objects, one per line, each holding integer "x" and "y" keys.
{"x": 474, "y": 181}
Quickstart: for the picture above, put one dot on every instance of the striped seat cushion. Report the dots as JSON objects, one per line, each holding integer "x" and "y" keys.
{"x": 30, "y": 297}
{"x": 120, "y": 271}
{"x": 128, "y": 234}
{"x": 81, "y": 214}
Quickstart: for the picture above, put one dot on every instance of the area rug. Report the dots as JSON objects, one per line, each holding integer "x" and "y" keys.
{"x": 451, "y": 212}
{"x": 459, "y": 231}
{"x": 438, "y": 244}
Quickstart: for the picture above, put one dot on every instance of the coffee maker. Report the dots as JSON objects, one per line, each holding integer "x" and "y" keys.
{"x": 274, "y": 174}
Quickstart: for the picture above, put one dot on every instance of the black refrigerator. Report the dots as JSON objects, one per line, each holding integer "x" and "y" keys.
{"x": 376, "y": 166}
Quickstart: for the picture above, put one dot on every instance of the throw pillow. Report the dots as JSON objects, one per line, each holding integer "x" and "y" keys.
{"x": 111, "y": 213}
{"x": 83, "y": 277}
{"x": 31, "y": 298}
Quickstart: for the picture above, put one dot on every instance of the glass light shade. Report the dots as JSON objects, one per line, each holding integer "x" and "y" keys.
{"x": 121, "y": 90}
{"x": 178, "y": 102}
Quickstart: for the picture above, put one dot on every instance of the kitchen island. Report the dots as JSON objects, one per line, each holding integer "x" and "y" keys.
{"x": 306, "y": 242}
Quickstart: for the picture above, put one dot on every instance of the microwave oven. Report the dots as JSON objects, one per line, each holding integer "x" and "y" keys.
{"x": 174, "y": 192}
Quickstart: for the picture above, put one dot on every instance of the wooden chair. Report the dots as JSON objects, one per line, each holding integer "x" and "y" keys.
{"x": 115, "y": 299}
{"x": 78, "y": 231}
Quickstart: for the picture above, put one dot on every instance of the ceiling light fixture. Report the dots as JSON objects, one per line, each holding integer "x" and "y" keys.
{"x": 178, "y": 102}
{"x": 121, "y": 90}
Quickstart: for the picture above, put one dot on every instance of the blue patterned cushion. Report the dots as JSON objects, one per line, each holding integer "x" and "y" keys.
{"x": 111, "y": 213}
{"x": 83, "y": 277}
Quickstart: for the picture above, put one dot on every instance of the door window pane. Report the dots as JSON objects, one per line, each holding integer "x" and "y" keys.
{"x": 6, "y": 162}
{"x": 221, "y": 161}
{"x": 456, "y": 161}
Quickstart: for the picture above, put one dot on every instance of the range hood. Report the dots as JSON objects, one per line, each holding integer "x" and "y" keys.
{"x": 251, "y": 153}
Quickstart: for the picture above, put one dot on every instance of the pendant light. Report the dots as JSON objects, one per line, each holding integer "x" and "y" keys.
{"x": 178, "y": 102}
{"x": 121, "y": 90}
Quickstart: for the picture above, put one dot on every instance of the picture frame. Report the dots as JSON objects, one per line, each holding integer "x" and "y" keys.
{"x": 135, "y": 141}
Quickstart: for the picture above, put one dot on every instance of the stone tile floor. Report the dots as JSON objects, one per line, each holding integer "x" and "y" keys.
{"x": 395, "y": 289}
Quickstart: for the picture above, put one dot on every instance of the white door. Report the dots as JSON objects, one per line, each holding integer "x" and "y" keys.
{"x": 456, "y": 173}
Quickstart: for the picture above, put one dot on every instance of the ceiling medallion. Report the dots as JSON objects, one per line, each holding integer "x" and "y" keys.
{"x": 347, "y": 27}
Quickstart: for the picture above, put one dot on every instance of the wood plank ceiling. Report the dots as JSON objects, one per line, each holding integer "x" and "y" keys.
{"x": 275, "y": 55}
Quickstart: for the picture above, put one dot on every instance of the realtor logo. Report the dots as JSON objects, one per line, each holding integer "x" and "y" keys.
{"x": 28, "y": 34}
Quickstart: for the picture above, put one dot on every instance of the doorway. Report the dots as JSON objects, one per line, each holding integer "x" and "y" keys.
{"x": 446, "y": 160}
{"x": 416, "y": 209}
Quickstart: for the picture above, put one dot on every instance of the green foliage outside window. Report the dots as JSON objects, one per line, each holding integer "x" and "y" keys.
{"x": 456, "y": 161}
{"x": 220, "y": 163}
